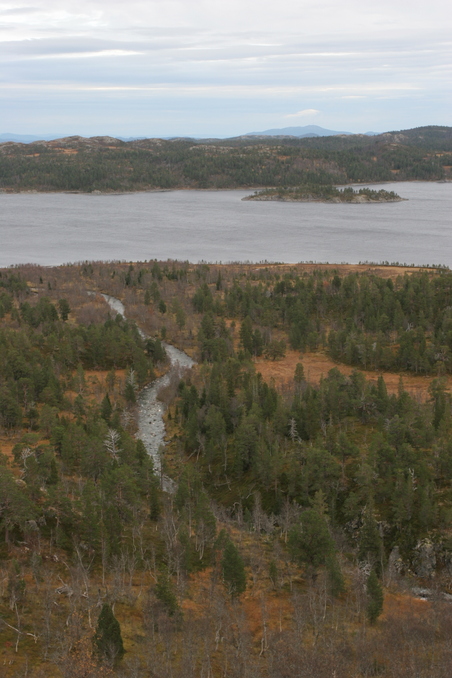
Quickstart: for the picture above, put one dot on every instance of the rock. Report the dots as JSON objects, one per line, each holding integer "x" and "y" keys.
{"x": 395, "y": 563}
{"x": 424, "y": 561}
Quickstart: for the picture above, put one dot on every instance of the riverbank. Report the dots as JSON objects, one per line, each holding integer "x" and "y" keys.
{"x": 150, "y": 408}
{"x": 190, "y": 189}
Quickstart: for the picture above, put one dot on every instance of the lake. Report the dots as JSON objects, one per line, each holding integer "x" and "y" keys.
{"x": 214, "y": 226}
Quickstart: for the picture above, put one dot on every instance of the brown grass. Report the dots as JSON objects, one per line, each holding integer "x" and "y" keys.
{"x": 317, "y": 365}
{"x": 7, "y": 444}
{"x": 342, "y": 269}
{"x": 401, "y": 606}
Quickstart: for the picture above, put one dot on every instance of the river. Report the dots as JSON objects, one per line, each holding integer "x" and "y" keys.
{"x": 214, "y": 226}
{"x": 151, "y": 426}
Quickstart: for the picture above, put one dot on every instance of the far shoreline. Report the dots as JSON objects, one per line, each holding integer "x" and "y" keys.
{"x": 96, "y": 192}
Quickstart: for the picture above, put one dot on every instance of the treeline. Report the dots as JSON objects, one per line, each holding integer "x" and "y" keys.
{"x": 368, "y": 321}
{"x": 365, "y": 320}
{"x": 90, "y": 165}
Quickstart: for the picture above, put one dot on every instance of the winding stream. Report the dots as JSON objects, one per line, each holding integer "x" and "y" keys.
{"x": 151, "y": 427}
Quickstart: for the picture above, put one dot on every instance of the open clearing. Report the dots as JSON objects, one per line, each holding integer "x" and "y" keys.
{"x": 317, "y": 365}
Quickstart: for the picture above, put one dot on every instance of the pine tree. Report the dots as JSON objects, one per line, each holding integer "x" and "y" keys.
{"x": 164, "y": 592}
{"x": 106, "y": 409}
{"x": 53, "y": 475}
{"x": 246, "y": 334}
{"x": 370, "y": 544}
{"x": 64, "y": 308}
{"x": 155, "y": 507}
{"x": 299, "y": 376}
{"x": 375, "y": 597}
{"x": 310, "y": 541}
{"x": 129, "y": 394}
{"x": 335, "y": 576}
{"x": 234, "y": 574}
{"x": 107, "y": 639}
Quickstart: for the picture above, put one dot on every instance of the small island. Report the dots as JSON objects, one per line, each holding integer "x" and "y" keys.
{"x": 325, "y": 193}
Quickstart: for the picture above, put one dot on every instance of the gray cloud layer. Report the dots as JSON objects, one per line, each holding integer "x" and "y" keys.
{"x": 199, "y": 67}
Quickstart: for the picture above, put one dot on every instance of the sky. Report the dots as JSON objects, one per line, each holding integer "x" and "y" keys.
{"x": 217, "y": 68}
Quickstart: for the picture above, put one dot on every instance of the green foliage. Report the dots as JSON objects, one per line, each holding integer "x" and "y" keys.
{"x": 370, "y": 547}
{"x": 16, "y": 508}
{"x": 299, "y": 376}
{"x": 325, "y": 193}
{"x": 276, "y": 349}
{"x": 129, "y": 393}
{"x": 107, "y": 640}
{"x": 273, "y": 573}
{"x": 233, "y": 569}
{"x": 335, "y": 577}
{"x": 64, "y": 308}
{"x": 375, "y": 597}
{"x": 165, "y": 594}
{"x": 106, "y": 408}
{"x": 310, "y": 541}
{"x": 155, "y": 507}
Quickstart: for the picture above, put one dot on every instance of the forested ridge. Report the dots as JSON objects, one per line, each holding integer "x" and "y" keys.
{"x": 300, "y": 506}
{"x": 107, "y": 164}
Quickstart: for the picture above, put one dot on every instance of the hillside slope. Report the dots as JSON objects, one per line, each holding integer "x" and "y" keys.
{"x": 108, "y": 164}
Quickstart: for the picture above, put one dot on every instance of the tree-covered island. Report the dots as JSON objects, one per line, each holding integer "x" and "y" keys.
{"x": 324, "y": 193}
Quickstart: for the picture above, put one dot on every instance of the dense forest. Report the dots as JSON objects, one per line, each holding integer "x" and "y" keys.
{"x": 307, "y": 531}
{"x": 107, "y": 164}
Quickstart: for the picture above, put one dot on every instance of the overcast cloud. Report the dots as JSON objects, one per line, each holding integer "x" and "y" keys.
{"x": 210, "y": 68}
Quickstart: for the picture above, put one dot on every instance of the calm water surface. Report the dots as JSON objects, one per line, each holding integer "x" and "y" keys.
{"x": 214, "y": 226}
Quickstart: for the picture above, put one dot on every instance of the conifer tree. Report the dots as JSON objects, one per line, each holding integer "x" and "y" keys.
{"x": 155, "y": 507}
{"x": 246, "y": 334}
{"x": 164, "y": 592}
{"x": 370, "y": 543}
{"x": 106, "y": 408}
{"x": 375, "y": 597}
{"x": 107, "y": 639}
{"x": 129, "y": 394}
{"x": 234, "y": 574}
{"x": 53, "y": 475}
{"x": 310, "y": 541}
{"x": 299, "y": 376}
{"x": 64, "y": 309}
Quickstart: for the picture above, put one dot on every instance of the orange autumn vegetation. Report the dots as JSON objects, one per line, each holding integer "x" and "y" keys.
{"x": 317, "y": 365}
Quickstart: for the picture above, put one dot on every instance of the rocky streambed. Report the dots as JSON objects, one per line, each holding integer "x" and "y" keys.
{"x": 151, "y": 426}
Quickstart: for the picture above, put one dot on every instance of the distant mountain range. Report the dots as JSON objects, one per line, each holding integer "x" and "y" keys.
{"x": 29, "y": 138}
{"x": 301, "y": 132}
